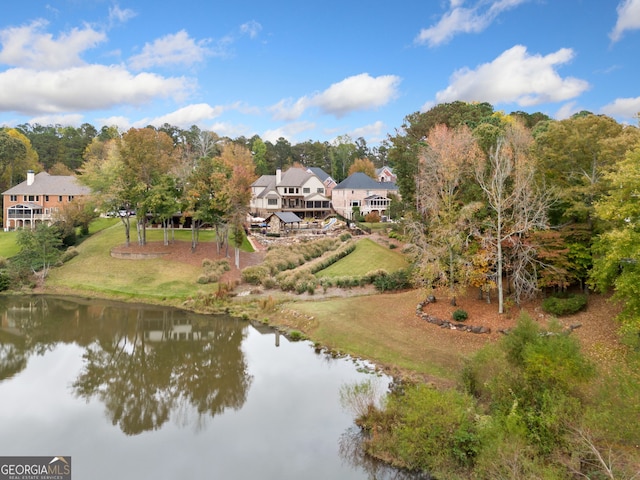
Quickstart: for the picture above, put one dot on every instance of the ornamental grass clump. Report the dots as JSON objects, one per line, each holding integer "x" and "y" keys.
{"x": 213, "y": 270}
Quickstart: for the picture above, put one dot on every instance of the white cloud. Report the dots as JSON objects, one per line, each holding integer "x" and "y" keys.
{"x": 172, "y": 49}
{"x": 120, "y": 15}
{"x": 123, "y": 123}
{"x": 29, "y": 47}
{"x": 75, "y": 119}
{"x": 623, "y": 107}
{"x": 566, "y": 111}
{"x": 628, "y": 18}
{"x": 359, "y": 92}
{"x": 189, "y": 115}
{"x": 90, "y": 87}
{"x": 288, "y": 131}
{"x": 288, "y": 110}
{"x": 515, "y": 77}
{"x": 374, "y": 131}
{"x": 251, "y": 28}
{"x": 459, "y": 19}
{"x": 225, "y": 129}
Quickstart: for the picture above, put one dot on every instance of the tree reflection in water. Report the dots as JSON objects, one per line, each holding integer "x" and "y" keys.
{"x": 146, "y": 364}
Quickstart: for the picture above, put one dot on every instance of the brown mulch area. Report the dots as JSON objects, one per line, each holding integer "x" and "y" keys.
{"x": 595, "y": 327}
{"x": 180, "y": 251}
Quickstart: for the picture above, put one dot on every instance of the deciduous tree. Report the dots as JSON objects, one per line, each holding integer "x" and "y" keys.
{"x": 617, "y": 251}
{"x": 517, "y": 208}
{"x": 448, "y": 158}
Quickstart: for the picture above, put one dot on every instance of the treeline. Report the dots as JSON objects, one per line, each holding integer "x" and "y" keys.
{"x": 60, "y": 149}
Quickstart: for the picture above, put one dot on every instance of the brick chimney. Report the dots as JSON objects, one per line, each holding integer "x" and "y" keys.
{"x": 31, "y": 177}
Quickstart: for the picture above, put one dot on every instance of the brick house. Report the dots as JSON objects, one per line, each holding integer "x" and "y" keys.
{"x": 38, "y": 198}
{"x": 385, "y": 174}
{"x": 361, "y": 192}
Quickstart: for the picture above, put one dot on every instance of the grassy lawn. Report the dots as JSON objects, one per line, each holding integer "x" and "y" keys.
{"x": 94, "y": 270}
{"x": 376, "y": 327}
{"x": 367, "y": 256}
{"x": 8, "y": 245}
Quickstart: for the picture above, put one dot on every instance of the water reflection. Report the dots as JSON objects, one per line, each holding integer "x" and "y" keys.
{"x": 144, "y": 364}
{"x": 66, "y": 364}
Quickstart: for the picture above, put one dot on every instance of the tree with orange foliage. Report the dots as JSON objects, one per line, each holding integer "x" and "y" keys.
{"x": 442, "y": 233}
{"x": 363, "y": 165}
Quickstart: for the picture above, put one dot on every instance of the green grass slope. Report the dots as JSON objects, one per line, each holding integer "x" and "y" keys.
{"x": 95, "y": 271}
{"x": 367, "y": 257}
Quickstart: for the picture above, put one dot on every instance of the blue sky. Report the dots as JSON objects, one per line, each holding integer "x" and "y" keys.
{"x": 312, "y": 70}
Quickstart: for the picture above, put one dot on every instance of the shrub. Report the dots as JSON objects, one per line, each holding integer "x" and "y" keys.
{"x": 426, "y": 429}
{"x": 564, "y": 305}
{"x": 460, "y": 315}
{"x": 296, "y": 335}
{"x": 255, "y": 275}
{"x": 5, "y": 281}
{"x": 373, "y": 217}
{"x": 68, "y": 254}
{"x": 397, "y": 280}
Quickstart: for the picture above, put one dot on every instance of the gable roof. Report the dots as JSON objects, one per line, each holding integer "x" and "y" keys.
{"x": 362, "y": 181}
{"x": 264, "y": 181}
{"x": 294, "y": 177}
{"x": 382, "y": 169}
{"x": 45, "y": 184}
{"x": 286, "y": 217}
{"x": 320, "y": 173}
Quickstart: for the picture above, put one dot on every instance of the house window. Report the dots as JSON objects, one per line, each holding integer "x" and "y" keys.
{"x": 306, "y": 190}
{"x": 272, "y": 202}
{"x": 31, "y": 198}
{"x": 60, "y": 198}
{"x": 14, "y": 198}
{"x": 46, "y": 198}
{"x": 70, "y": 197}
{"x": 24, "y": 197}
{"x": 355, "y": 203}
{"x": 321, "y": 190}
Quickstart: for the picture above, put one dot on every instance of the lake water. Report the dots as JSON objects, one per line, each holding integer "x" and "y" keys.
{"x": 142, "y": 392}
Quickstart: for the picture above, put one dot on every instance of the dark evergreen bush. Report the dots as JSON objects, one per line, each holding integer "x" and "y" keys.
{"x": 565, "y": 305}
{"x": 460, "y": 315}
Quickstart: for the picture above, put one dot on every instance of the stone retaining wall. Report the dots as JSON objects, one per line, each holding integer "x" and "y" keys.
{"x": 447, "y": 324}
{"x": 137, "y": 255}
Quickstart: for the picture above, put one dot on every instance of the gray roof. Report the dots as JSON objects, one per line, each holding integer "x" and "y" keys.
{"x": 264, "y": 181}
{"x": 294, "y": 177}
{"x": 287, "y": 217}
{"x": 45, "y": 184}
{"x": 318, "y": 172}
{"x": 362, "y": 181}
{"x": 269, "y": 184}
